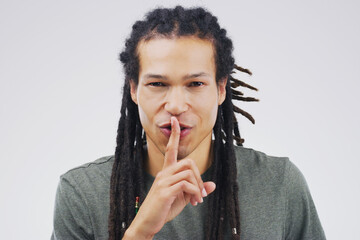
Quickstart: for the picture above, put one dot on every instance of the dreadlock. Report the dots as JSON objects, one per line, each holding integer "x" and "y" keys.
{"x": 127, "y": 179}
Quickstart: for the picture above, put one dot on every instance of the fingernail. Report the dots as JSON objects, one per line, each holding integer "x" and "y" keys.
{"x": 203, "y": 192}
{"x": 196, "y": 203}
{"x": 201, "y": 200}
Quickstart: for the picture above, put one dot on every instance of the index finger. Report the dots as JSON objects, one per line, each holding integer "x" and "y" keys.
{"x": 173, "y": 144}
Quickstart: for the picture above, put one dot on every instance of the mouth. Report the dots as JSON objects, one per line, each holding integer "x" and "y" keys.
{"x": 184, "y": 130}
{"x": 169, "y": 128}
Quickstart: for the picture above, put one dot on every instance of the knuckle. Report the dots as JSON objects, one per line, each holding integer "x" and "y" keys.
{"x": 192, "y": 162}
{"x": 162, "y": 183}
{"x": 159, "y": 175}
{"x": 187, "y": 162}
{"x": 159, "y": 183}
{"x": 182, "y": 184}
{"x": 188, "y": 174}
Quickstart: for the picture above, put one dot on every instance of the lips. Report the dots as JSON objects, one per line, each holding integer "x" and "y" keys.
{"x": 184, "y": 130}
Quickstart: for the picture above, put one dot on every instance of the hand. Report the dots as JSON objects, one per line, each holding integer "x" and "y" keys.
{"x": 177, "y": 184}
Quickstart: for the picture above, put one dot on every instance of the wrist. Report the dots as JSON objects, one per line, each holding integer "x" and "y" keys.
{"x": 138, "y": 233}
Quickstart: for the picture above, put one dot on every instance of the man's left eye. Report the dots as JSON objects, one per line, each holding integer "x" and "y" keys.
{"x": 196, "y": 84}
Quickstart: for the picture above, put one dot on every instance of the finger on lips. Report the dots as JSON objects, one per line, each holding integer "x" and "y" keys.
{"x": 173, "y": 144}
{"x": 195, "y": 185}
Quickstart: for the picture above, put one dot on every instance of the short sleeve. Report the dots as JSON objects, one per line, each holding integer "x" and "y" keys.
{"x": 302, "y": 221}
{"x": 71, "y": 218}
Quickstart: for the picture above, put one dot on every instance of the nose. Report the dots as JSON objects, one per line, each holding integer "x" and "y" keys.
{"x": 176, "y": 101}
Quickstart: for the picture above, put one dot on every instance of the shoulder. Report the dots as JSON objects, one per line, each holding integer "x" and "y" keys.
{"x": 273, "y": 188}
{"x": 85, "y": 187}
{"x": 93, "y": 173}
{"x": 82, "y": 201}
{"x": 101, "y": 164}
{"x": 255, "y": 162}
{"x": 258, "y": 168}
{"x": 98, "y": 163}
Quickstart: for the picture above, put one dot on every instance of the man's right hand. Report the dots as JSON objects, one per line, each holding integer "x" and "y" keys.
{"x": 177, "y": 184}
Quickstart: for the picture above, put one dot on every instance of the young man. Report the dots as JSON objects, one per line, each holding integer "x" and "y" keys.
{"x": 176, "y": 173}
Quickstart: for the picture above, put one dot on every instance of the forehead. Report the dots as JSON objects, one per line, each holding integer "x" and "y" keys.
{"x": 180, "y": 55}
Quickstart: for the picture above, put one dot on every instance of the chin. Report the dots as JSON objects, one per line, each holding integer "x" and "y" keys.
{"x": 183, "y": 152}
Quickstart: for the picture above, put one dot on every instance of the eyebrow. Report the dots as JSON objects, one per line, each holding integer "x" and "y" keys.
{"x": 187, "y": 76}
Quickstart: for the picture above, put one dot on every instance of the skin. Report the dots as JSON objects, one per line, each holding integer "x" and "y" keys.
{"x": 177, "y": 88}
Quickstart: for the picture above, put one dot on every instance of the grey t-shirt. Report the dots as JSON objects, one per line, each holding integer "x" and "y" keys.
{"x": 274, "y": 202}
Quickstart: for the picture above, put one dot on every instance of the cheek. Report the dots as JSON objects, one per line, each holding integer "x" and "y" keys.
{"x": 207, "y": 109}
{"x": 145, "y": 114}
{"x": 213, "y": 114}
{"x": 142, "y": 115}
{"x": 148, "y": 107}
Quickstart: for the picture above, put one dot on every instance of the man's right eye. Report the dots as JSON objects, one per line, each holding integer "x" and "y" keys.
{"x": 156, "y": 84}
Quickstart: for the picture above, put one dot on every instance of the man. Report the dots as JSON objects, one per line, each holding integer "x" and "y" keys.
{"x": 176, "y": 173}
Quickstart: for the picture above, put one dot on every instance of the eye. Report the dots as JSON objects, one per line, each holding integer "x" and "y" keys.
{"x": 196, "y": 84}
{"x": 156, "y": 84}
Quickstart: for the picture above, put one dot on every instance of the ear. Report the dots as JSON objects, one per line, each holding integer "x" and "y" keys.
{"x": 222, "y": 90}
{"x": 133, "y": 89}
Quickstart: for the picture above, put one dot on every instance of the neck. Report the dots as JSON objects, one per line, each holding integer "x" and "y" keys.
{"x": 202, "y": 155}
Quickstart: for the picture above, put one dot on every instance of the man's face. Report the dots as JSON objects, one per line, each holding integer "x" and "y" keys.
{"x": 177, "y": 78}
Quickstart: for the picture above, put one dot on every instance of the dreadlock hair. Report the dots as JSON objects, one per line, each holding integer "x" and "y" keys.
{"x": 127, "y": 179}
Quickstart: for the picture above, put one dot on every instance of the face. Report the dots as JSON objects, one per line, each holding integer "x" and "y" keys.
{"x": 177, "y": 78}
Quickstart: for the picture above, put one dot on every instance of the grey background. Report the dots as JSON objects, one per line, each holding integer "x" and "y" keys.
{"x": 60, "y": 96}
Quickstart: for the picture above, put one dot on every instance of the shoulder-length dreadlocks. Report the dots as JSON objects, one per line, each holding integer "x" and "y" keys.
{"x": 127, "y": 179}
